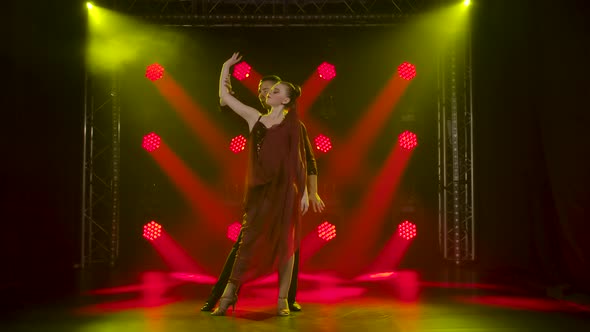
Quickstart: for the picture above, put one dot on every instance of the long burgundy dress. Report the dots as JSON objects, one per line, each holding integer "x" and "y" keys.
{"x": 275, "y": 183}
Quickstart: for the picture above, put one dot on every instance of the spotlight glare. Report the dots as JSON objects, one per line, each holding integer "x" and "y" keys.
{"x": 237, "y": 144}
{"x": 407, "y": 230}
{"x": 89, "y": 5}
{"x": 152, "y": 230}
{"x": 323, "y": 143}
{"x": 407, "y": 71}
{"x": 151, "y": 142}
{"x": 408, "y": 140}
{"x": 242, "y": 71}
{"x": 154, "y": 72}
{"x": 326, "y": 231}
{"x": 466, "y": 2}
{"x": 326, "y": 71}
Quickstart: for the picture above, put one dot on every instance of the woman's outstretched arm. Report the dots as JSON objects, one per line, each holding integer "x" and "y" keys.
{"x": 225, "y": 97}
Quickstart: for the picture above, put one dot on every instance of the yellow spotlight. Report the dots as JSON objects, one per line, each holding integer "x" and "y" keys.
{"x": 89, "y": 5}
{"x": 467, "y": 2}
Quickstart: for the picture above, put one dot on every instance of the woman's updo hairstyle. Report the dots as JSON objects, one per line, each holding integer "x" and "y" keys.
{"x": 293, "y": 92}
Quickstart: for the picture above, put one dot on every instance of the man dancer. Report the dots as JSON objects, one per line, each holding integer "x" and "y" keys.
{"x": 315, "y": 201}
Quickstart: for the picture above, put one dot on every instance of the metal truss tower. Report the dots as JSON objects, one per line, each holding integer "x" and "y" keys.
{"x": 455, "y": 157}
{"x": 100, "y": 172}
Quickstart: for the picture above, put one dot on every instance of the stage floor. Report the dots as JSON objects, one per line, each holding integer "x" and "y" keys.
{"x": 399, "y": 302}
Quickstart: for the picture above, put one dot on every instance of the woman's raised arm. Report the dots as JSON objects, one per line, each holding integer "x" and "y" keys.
{"x": 249, "y": 114}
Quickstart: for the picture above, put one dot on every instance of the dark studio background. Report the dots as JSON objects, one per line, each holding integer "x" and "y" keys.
{"x": 530, "y": 105}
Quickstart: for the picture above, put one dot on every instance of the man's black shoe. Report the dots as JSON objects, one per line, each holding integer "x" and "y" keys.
{"x": 208, "y": 306}
{"x": 294, "y": 306}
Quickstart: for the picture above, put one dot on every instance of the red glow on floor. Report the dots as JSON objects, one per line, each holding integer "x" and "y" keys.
{"x": 195, "y": 278}
{"x": 376, "y": 276}
{"x": 151, "y": 294}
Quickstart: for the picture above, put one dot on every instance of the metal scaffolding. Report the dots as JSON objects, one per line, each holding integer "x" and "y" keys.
{"x": 268, "y": 7}
{"x": 100, "y": 172}
{"x": 273, "y": 12}
{"x": 455, "y": 158}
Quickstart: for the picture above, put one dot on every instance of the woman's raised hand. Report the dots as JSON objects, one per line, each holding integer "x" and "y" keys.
{"x": 235, "y": 58}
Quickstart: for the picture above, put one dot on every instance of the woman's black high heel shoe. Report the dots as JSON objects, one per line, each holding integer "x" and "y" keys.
{"x": 224, "y": 304}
